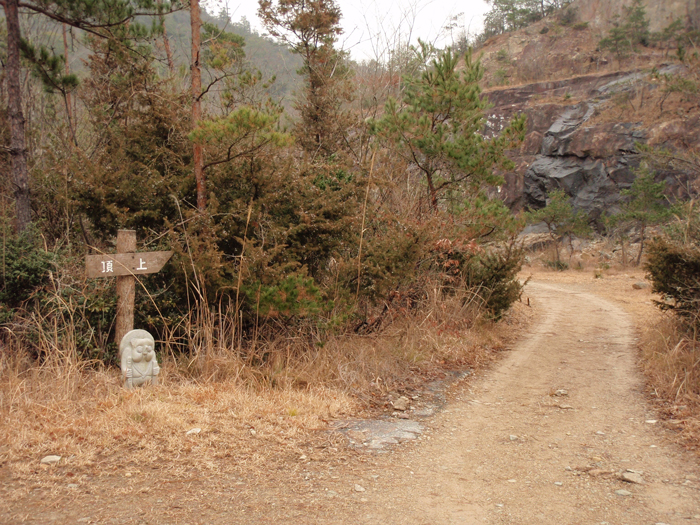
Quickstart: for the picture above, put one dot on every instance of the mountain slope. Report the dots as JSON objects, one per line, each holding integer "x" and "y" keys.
{"x": 588, "y": 109}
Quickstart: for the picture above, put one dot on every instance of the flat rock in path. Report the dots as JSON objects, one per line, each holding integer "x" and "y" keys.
{"x": 378, "y": 433}
{"x": 50, "y": 460}
{"x": 641, "y": 285}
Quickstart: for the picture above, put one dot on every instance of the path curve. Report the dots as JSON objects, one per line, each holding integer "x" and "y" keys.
{"x": 510, "y": 450}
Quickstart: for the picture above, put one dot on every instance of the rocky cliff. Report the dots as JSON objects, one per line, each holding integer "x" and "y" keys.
{"x": 568, "y": 145}
{"x": 584, "y": 130}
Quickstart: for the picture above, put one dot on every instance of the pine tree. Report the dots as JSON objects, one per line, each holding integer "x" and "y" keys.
{"x": 140, "y": 155}
{"x": 511, "y": 15}
{"x": 438, "y": 126}
{"x": 628, "y": 32}
{"x": 647, "y": 205}
{"x": 18, "y": 147}
{"x": 103, "y": 18}
{"x": 561, "y": 220}
{"x": 311, "y": 29}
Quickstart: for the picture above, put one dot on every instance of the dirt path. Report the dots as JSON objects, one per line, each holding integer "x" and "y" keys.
{"x": 510, "y": 450}
{"x": 541, "y": 439}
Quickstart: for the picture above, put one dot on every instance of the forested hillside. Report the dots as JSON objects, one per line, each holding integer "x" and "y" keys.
{"x": 318, "y": 202}
{"x": 272, "y": 59}
{"x": 299, "y": 190}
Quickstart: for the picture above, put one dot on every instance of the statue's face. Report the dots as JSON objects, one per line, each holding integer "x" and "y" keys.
{"x": 142, "y": 350}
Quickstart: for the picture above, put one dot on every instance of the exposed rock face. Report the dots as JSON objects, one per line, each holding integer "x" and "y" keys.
{"x": 562, "y": 149}
{"x": 586, "y": 180}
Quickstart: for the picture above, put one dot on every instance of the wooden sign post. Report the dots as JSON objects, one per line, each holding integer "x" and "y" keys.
{"x": 124, "y": 265}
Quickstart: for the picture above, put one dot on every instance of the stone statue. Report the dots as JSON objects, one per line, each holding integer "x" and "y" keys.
{"x": 138, "y": 358}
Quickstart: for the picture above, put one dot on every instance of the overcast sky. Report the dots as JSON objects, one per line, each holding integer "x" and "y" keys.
{"x": 374, "y": 25}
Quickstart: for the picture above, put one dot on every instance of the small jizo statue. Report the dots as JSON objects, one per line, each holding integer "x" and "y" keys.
{"x": 138, "y": 357}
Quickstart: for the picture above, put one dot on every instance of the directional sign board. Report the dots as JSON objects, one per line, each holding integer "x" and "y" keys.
{"x": 113, "y": 265}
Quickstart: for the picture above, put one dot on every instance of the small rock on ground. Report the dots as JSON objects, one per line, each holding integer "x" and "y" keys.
{"x": 632, "y": 477}
{"x": 401, "y": 403}
{"x": 50, "y": 460}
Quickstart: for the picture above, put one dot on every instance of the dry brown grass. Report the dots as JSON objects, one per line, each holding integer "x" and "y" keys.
{"x": 671, "y": 359}
{"x": 255, "y": 405}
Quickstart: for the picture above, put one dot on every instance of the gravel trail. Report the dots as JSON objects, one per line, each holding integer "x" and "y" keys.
{"x": 548, "y": 435}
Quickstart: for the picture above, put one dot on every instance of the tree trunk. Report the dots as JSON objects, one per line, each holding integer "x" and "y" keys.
{"x": 166, "y": 44}
{"x": 198, "y": 154}
{"x": 67, "y": 98}
{"x": 432, "y": 191}
{"x": 641, "y": 244}
{"x": 168, "y": 51}
{"x": 553, "y": 235}
{"x": 18, "y": 147}
{"x": 571, "y": 248}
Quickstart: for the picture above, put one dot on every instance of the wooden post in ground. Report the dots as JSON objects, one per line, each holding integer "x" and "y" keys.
{"x": 125, "y": 265}
{"x": 126, "y": 288}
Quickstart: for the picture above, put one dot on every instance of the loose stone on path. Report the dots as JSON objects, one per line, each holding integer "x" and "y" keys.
{"x": 401, "y": 403}
{"x": 632, "y": 477}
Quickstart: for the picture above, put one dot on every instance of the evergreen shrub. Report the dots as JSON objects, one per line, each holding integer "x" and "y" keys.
{"x": 490, "y": 274}
{"x": 25, "y": 268}
{"x": 673, "y": 264}
{"x": 674, "y": 270}
{"x": 494, "y": 276}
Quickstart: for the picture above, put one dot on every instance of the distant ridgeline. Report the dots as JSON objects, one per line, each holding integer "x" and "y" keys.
{"x": 263, "y": 53}
{"x": 511, "y": 15}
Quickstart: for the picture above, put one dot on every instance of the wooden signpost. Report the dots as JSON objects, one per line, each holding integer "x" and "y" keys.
{"x": 124, "y": 265}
